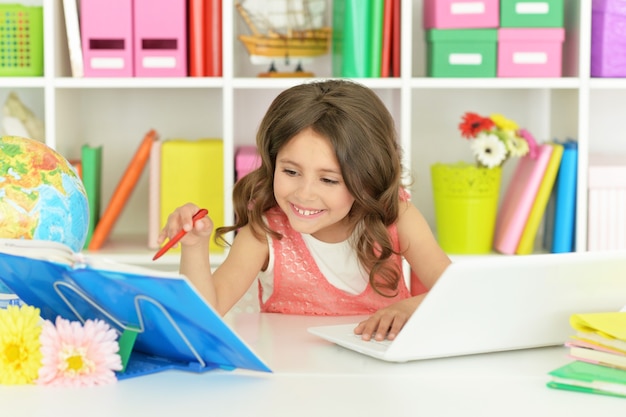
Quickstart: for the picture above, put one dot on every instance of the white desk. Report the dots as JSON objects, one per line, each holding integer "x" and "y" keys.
{"x": 315, "y": 378}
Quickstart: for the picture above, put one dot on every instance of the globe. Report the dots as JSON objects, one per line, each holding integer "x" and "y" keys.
{"x": 41, "y": 195}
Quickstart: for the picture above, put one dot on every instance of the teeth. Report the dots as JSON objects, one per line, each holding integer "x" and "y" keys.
{"x": 307, "y": 212}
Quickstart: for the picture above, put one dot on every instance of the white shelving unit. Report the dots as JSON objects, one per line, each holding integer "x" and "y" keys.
{"x": 116, "y": 112}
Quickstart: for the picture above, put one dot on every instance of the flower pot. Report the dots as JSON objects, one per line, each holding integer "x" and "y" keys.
{"x": 466, "y": 206}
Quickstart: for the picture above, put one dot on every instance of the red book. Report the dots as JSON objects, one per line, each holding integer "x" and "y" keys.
{"x": 123, "y": 191}
{"x": 213, "y": 38}
{"x": 385, "y": 62}
{"x": 196, "y": 37}
{"x": 395, "y": 39}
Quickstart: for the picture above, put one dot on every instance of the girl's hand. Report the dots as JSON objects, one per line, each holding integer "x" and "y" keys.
{"x": 387, "y": 322}
{"x": 181, "y": 219}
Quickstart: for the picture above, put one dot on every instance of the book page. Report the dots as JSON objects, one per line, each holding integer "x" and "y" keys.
{"x": 39, "y": 249}
{"x": 104, "y": 264}
{"x": 59, "y": 253}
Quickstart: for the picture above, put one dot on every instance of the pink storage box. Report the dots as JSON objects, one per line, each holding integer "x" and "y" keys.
{"x": 530, "y": 52}
{"x": 460, "y": 14}
{"x": 606, "y": 228}
{"x": 107, "y": 37}
{"x": 246, "y": 159}
{"x": 160, "y": 32}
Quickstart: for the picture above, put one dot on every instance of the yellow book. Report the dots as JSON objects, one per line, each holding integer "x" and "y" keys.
{"x": 527, "y": 240}
{"x": 193, "y": 171}
{"x": 610, "y": 326}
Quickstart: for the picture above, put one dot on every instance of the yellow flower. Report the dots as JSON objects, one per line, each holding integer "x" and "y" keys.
{"x": 503, "y": 123}
{"x": 517, "y": 146}
{"x": 20, "y": 348}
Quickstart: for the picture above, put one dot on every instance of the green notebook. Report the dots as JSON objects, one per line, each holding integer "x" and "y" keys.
{"x": 351, "y": 35}
{"x": 589, "y": 378}
{"x": 91, "y": 160}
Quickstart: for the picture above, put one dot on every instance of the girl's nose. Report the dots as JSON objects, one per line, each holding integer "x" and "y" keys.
{"x": 306, "y": 190}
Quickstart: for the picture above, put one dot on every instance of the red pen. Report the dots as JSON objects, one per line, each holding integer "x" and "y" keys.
{"x": 200, "y": 214}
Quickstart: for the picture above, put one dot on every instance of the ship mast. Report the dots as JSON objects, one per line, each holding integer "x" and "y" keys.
{"x": 246, "y": 17}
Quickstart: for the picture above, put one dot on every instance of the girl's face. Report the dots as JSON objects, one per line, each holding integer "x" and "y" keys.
{"x": 309, "y": 188}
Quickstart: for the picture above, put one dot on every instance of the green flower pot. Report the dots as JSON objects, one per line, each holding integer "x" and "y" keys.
{"x": 466, "y": 206}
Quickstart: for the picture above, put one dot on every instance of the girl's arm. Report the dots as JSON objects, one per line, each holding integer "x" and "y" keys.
{"x": 223, "y": 287}
{"x": 427, "y": 260}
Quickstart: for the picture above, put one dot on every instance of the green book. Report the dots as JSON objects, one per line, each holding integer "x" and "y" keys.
{"x": 377, "y": 15}
{"x": 589, "y": 378}
{"x": 91, "y": 161}
{"x": 351, "y": 29}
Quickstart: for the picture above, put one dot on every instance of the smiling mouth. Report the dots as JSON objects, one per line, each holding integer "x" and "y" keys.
{"x": 306, "y": 212}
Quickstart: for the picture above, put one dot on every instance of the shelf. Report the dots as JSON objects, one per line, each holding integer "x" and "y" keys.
{"x": 117, "y": 111}
{"x": 495, "y": 83}
{"x": 134, "y": 82}
{"x": 22, "y": 82}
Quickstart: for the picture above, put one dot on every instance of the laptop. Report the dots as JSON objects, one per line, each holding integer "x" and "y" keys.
{"x": 498, "y": 304}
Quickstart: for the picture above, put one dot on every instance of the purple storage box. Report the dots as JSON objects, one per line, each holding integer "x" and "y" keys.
{"x": 608, "y": 38}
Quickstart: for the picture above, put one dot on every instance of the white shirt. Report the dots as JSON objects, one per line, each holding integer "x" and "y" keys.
{"x": 336, "y": 261}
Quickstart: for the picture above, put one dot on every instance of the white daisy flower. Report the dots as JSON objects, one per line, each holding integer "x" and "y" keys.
{"x": 488, "y": 149}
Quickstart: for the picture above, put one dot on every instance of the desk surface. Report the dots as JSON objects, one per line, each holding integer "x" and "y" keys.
{"x": 315, "y": 378}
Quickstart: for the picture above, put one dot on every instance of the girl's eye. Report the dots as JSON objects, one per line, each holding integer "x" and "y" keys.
{"x": 289, "y": 172}
{"x": 329, "y": 181}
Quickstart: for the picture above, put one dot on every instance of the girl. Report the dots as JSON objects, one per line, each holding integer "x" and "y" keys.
{"x": 324, "y": 222}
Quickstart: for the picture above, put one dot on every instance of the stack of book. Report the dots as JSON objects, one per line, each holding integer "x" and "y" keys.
{"x": 541, "y": 189}
{"x": 599, "y": 350}
{"x": 366, "y": 38}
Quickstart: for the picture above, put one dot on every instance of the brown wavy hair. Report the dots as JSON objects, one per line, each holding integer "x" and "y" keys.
{"x": 362, "y": 132}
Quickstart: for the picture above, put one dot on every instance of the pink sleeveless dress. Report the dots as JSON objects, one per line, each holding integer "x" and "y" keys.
{"x": 300, "y": 287}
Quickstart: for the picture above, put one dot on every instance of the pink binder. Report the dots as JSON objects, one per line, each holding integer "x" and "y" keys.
{"x": 106, "y": 33}
{"x": 519, "y": 198}
{"x": 160, "y": 30}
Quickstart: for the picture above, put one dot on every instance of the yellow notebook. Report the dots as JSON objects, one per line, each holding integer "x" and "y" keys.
{"x": 527, "y": 240}
{"x": 193, "y": 171}
{"x": 611, "y": 325}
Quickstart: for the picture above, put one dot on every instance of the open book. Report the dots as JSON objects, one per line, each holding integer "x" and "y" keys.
{"x": 172, "y": 326}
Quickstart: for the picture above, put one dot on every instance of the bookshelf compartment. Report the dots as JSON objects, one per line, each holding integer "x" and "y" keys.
{"x": 123, "y": 117}
{"x": 436, "y": 137}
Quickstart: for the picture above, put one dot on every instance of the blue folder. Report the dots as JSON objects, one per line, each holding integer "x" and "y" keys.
{"x": 176, "y": 328}
{"x": 565, "y": 200}
{"x": 560, "y": 220}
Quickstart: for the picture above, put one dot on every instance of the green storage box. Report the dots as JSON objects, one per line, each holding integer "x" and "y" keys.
{"x": 462, "y": 53}
{"x": 21, "y": 40}
{"x": 531, "y": 13}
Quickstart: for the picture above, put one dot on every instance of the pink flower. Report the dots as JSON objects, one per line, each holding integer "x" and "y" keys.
{"x": 77, "y": 355}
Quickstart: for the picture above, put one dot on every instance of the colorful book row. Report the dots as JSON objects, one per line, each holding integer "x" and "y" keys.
{"x": 366, "y": 38}
{"x": 551, "y": 175}
{"x": 179, "y": 170}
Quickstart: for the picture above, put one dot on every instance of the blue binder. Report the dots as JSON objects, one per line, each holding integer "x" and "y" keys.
{"x": 559, "y": 234}
{"x": 176, "y": 328}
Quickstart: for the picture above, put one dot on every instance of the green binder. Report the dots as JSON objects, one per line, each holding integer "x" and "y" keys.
{"x": 91, "y": 161}
{"x": 589, "y": 378}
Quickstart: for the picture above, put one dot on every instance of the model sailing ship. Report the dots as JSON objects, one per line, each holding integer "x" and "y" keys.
{"x": 291, "y": 30}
